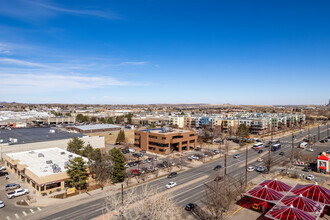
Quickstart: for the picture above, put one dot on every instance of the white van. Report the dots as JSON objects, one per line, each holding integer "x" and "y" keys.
{"x": 257, "y": 146}
{"x": 303, "y": 145}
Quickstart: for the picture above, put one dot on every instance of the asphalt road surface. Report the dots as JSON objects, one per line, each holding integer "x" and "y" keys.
{"x": 190, "y": 192}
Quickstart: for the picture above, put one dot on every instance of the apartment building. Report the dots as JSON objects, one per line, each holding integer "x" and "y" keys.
{"x": 165, "y": 140}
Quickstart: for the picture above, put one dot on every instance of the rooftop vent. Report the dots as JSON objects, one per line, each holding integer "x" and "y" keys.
{"x": 49, "y": 162}
{"x": 41, "y": 155}
{"x": 31, "y": 152}
{"x": 62, "y": 153}
{"x": 70, "y": 155}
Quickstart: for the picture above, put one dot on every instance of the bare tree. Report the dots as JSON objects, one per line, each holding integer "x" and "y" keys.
{"x": 142, "y": 203}
{"x": 269, "y": 162}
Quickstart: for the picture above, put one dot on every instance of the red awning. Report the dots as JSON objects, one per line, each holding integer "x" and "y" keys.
{"x": 276, "y": 185}
{"x": 265, "y": 193}
{"x": 302, "y": 203}
{"x": 314, "y": 192}
{"x": 323, "y": 157}
{"x": 322, "y": 168}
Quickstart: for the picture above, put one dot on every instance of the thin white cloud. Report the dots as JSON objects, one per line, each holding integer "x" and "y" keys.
{"x": 133, "y": 63}
{"x": 21, "y": 62}
{"x": 96, "y": 13}
{"x": 35, "y": 83}
{"x": 5, "y": 49}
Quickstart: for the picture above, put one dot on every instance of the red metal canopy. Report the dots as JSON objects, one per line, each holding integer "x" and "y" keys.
{"x": 276, "y": 185}
{"x": 289, "y": 213}
{"x": 314, "y": 192}
{"x": 302, "y": 203}
{"x": 323, "y": 157}
{"x": 265, "y": 193}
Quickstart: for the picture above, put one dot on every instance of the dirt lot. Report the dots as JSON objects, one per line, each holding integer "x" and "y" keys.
{"x": 111, "y": 139}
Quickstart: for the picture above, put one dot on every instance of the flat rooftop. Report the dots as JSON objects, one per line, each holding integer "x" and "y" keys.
{"x": 95, "y": 127}
{"x": 165, "y": 130}
{"x": 36, "y": 160}
{"x": 30, "y": 135}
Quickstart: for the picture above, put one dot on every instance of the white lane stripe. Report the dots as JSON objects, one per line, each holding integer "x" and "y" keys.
{"x": 16, "y": 215}
{"x": 24, "y": 213}
{"x": 39, "y": 209}
{"x": 31, "y": 210}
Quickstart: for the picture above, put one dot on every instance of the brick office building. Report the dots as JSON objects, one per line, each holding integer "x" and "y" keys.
{"x": 165, "y": 140}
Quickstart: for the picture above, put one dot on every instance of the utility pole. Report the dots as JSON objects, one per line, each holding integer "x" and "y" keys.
{"x": 246, "y": 163}
{"x": 328, "y": 129}
{"x": 225, "y": 164}
{"x": 270, "y": 145}
{"x": 309, "y": 139}
{"x": 318, "y": 132}
{"x": 292, "y": 147}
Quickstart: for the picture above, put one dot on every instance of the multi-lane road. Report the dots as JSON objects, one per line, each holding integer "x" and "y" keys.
{"x": 190, "y": 190}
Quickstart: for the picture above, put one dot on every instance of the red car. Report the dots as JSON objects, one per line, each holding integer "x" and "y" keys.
{"x": 136, "y": 172}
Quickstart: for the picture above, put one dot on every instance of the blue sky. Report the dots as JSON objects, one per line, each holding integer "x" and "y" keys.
{"x": 149, "y": 51}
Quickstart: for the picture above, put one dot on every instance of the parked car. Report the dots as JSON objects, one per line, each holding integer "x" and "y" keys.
{"x": 2, "y": 168}
{"x": 216, "y": 152}
{"x": 310, "y": 149}
{"x": 12, "y": 186}
{"x": 218, "y": 178}
{"x": 260, "y": 151}
{"x": 143, "y": 151}
{"x": 281, "y": 153}
{"x": 17, "y": 192}
{"x": 236, "y": 156}
{"x": 3, "y": 173}
{"x": 170, "y": 185}
{"x": 190, "y": 206}
{"x": 148, "y": 160}
{"x": 328, "y": 152}
{"x": 323, "y": 140}
{"x": 171, "y": 175}
{"x": 217, "y": 167}
{"x": 2, "y": 204}
{"x": 250, "y": 168}
{"x": 310, "y": 177}
{"x": 135, "y": 172}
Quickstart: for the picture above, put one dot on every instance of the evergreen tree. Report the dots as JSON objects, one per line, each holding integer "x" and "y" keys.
{"x": 118, "y": 159}
{"x": 75, "y": 145}
{"x": 110, "y": 121}
{"x": 77, "y": 172}
{"x": 121, "y": 137}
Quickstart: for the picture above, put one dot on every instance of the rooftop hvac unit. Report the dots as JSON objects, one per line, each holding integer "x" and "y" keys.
{"x": 41, "y": 155}
{"x": 31, "y": 152}
{"x": 57, "y": 170}
{"x": 70, "y": 155}
{"x": 62, "y": 153}
{"x": 49, "y": 162}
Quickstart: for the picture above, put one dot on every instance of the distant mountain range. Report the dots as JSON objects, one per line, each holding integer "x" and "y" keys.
{"x": 3, "y": 102}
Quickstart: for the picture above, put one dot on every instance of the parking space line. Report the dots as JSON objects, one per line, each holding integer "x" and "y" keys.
{"x": 39, "y": 209}
{"x": 8, "y": 218}
{"x": 16, "y": 215}
{"x": 31, "y": 210}
{"x": 24, "y": 213}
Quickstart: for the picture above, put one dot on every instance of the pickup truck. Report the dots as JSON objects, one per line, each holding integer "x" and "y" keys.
{"x": 17, "y": 192}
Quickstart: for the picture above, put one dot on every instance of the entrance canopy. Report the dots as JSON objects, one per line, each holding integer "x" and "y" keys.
{"x": 276, "y": 185}
{"x": 302, "y": 203}
{"x": 289, "y": 213}
{"x": 314, "y": 192}
{"x": 265, "y": 193}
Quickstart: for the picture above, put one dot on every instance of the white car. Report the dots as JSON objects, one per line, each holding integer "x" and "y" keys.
{"x": 260, "y": 159}
{"x": 17, "y": 192}
{"x": 170, "y": 185}
{"x": 2, "y": 168}
{"x": 310, "y": 149}
{"x": 2, "y": 204}
{"x": 250, "y": 169}
{"x": 236, "y": 156}
{"x": 261, "y": 169}
{"x": 309, "y": 177}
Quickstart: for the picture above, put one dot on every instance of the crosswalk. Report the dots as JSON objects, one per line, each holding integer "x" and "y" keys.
{"x": 23, "y": 214}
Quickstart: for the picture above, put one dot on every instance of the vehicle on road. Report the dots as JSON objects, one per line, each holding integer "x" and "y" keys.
{"x": 303, "y": 145}
{"x": 324, "y": 140}
{"x": 17, "y": 192}
{"x": 3, "y": 173}
{"x": 217, "y": 167}
{"x": 310, "y": 149}
{"x": 257, "y": 146}
{"x": 218, "y": 178}
{"x": 281, "y": 153}
{"x": 236, "y": 156}
{"x": 2, "y": 204}
{"x": 276, "y": 147}
{"x": 135, "y": 172}
{"x": 328, "y": 152}
{"x": 2, "y": 168}
{"x": 260, "y": 151}
{"x": 170, "y": 185}
{"x": 190, "y": 206}
{"x": 261, "y": 169}
{"x": 216, "y": 152}
{"x": 310, "y": 177}
{"x": 171, "y": 175}
{"x": 256, "y": 139}
{"x": 12, "y": 186}
{"x": 260, "y": 159}
{"x": 250, "y": 168}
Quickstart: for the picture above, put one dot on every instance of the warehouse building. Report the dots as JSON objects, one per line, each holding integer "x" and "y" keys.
{"x": 43, "y": 170}
{"x": 165, "y": 140}
{"x": 94, "y": 128}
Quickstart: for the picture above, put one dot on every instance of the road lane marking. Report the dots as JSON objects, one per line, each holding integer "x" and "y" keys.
{"x": 31, "y": 210}
{"x": 24, "y": 213}
{"x": 39, "y": 209}
{"x": 16, "y": 215}
{"x": 8, "y": 218}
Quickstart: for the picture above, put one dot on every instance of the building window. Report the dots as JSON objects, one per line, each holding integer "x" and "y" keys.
{"x": 184, "y": 142}
{"x": 158, "y": 144}
{"x": 152, "y": 136}
{"x": 192, "y": 141}
{"x": 164, "y": 138}
{"x": 178, "y": 136}
{"x": 53, "y": 185}
{"x": 191, "y": 135}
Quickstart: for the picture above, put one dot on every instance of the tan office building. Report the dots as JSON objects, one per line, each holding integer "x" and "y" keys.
{"x": 165, "y": 140}
{"x": 43, "y": 170}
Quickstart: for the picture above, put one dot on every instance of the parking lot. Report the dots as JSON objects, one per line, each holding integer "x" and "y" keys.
{"x": 12, "y": 210}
